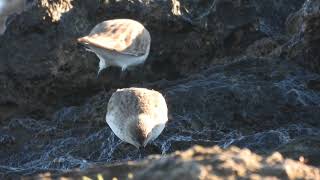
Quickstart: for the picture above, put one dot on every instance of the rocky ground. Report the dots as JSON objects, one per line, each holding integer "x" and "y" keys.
{"x": 233, "y": 72}
{"x": 199, "y": 163}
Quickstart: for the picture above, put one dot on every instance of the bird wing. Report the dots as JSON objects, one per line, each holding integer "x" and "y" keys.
{"x": 123, "y": 36}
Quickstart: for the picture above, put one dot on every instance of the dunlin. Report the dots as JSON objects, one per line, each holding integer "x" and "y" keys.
{"x": 137, "y": 115}
{"x": 118, "y": 42}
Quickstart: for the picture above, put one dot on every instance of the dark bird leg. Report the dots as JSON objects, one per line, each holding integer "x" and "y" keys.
{"x": 123, "y": 74}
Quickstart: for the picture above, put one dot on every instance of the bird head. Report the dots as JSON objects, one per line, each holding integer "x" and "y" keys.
{"x": 143, "y": 129}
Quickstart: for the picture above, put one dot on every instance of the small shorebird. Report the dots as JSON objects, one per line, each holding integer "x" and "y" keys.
{"x": 118, "y": 42}
{"x": 137, "y": 115}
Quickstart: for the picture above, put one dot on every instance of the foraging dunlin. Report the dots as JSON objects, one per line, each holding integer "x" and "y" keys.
{"x": 118, "y": 42}
{"x": 137, "y": 115}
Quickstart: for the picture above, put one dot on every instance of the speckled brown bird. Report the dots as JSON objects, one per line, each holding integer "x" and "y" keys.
{"x": 118, "y": 42}
{"x": 137, "y": 115}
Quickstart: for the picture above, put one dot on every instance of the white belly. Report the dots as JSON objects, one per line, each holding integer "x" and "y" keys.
{"x": 120, "y": 60}
{"x": 126, "y": 61}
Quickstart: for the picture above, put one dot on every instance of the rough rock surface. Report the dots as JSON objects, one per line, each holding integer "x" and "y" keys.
{"x": 306, "y": 145}
{"x": 304, "y": 45}
{"x": 50, "y": 67}
{"x": 200, "y": 163}
{"x": 249, "y": 78}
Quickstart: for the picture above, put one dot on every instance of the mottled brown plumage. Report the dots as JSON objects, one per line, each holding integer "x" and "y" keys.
{"x": 119, "y": 42}
{"x": 137, "y": 115}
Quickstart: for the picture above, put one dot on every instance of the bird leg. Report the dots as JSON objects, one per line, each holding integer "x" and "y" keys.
{"x": 3, "y": 24}
{"x": 102, "y": 65}
{"x": 123, "y": 73}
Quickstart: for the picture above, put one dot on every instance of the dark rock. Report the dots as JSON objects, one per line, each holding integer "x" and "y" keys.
{"x": 243, "y": 97}
{"x": 262, "y": 142}
{"x": 304, "y": 45}
{"x": 35, "y": 73}
{"x": 227, "y": 69}
{"x": 266, "y": 142}
{"x": 6, "y": 140}
{"x": 28, "y": 124}
{"x": 247, "y": 92}
{"x": 274, "y": 13}
{"x": 314, "y": 84}
{"x": 262, "y": 47}
{"x": 306, "y": 147}
{"x": 42, "y": 66}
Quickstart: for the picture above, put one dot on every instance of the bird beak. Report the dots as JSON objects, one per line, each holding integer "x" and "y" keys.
{"x": 144, "y": 144}
{"x": 81, "y": 40}
{"x": 84, "y": 42}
